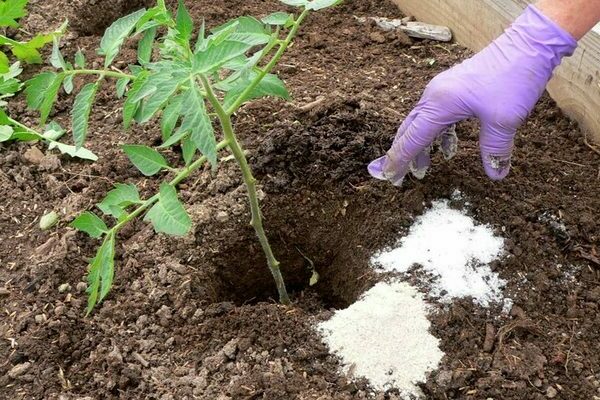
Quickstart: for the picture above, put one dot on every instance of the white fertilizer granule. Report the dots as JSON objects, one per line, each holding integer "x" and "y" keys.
{"x": 454, "y": 250}
{"x": 385, "y": 338}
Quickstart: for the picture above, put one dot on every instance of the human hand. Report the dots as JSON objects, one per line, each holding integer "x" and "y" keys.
{"x": 500, "y": 86}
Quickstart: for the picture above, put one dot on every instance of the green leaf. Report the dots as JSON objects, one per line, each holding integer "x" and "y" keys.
{"x": 295, "y": 3}
{"x": 50, "y": 98}
{"x": 4, "y": 120}
{"x": 53, "y": 131}
{"x": 25, "y": 136}
{"x": 247, "y": 30}
{"x": 168, "y": 215}
{"x": 91, "y": 224}
{"x": 80, "y": 59}
{"x": 118, "y": 199}
{"x": 4, "y": 63}
{"x": 154, "y": 17}
{"x": 56, "y": 59}
{"x": 197, "y": 122}
{"x": 146, "y": 159}
{"x": 156, "y": 90}
{"x": 81, "y": 112}
{"x": 14, "y": 71}
{"x": 135, "y": 69}
{"x": 116, "y": 34}
{"x": 145, "y": 46}
{"x": 244, "y": 24}
{"x": 9, "y": 87}
{"x": 11, "y": 11}
{"x": 27, "y": 52}
{"x": 251, "y": 39}
{"x": 122, "y": 86}
{"x": 219, "y": 35}
{"x": 215, "y": 55}
{"x": 174, "y": 139}
{"x": 101, "y": 273}
{"x": 270, "y": 85}
{"x": 279, "y": 19}
{"x": 49, "y": 220}
{"x": 201, "y": 41}
{"x": 321, "y": 4}
{"x": 5, "y": 132}
{"x": 68, "y": 84}
{"x": 130, "y": 107}
{"x": 41, "y": 40}
{"x": 185, "y": 25}
{"x": 242, "y": 67}
{"x": 173, "y": 46}
{"x": 73, "y": 151}
{"x": 41, "y": 92}
{"x": 147, "y": 89}
{"x": 36, "y": 87}
{"x": 188, "y": 149}
{"x": 170, "y": 116}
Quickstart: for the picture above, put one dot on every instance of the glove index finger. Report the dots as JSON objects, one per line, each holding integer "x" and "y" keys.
{"x": 406, "y": 123}
{"x": 418, "y": 136}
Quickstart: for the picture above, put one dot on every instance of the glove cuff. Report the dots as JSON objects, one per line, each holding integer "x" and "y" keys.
{"x": 541, "y": 36}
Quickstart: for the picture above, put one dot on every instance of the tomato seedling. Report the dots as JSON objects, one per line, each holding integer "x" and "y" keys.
{"x": 190, "y": 73}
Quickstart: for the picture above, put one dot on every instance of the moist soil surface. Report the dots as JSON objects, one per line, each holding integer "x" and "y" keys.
{"x": 194, "y": 317}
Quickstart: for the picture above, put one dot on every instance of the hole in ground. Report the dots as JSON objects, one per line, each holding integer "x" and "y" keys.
{"x": 337, "y": 233}
{"x": 316, "y": 204}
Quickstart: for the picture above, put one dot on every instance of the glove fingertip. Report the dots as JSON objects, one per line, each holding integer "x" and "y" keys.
{"x": 376, "y": 168}
{"x": 496, "y": 167}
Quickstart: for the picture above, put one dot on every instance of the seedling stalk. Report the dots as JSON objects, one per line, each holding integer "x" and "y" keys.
{"x": 250, "y": 182}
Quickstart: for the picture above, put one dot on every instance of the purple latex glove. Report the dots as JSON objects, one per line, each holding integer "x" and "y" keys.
{"x": 500, "y": 85}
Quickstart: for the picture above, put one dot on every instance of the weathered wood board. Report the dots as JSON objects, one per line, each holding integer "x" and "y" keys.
{"x": 475, "y": 23}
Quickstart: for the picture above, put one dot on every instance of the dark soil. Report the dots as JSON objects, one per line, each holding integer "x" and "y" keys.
{"x": 194, "y": 317}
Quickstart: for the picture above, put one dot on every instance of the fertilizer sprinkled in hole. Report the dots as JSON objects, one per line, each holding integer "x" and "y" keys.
{"x": 384, "y": 337}
{"x": 453, "y": 250}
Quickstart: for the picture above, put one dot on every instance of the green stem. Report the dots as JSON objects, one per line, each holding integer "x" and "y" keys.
{"x": 24, "y": 127}
{"x": 9, "y": 41}
{"x": 184, "y": 173}
{"x": 250, "y": 181}
{"x": 282, "y": 48}
{"x": 101, "y": 72}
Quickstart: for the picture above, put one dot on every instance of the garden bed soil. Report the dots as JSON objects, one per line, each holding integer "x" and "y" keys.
{"x": 193, "y": 317}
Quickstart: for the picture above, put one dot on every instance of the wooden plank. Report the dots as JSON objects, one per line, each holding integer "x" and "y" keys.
{"x": 475, "y": 23}
{"x": 413, "y": 29}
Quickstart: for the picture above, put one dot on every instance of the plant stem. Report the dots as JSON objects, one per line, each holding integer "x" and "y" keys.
{"x": 24, "y": 127}
{"x": 250, "y": 181}
{"x": 184, "y": 173}
{"x": 282, "y": 48}
{"x": 101, "y": 72}
{"x": 9, "y": 41}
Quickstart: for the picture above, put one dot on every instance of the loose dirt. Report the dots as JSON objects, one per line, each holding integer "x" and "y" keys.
{"x": 194, "y": 317}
